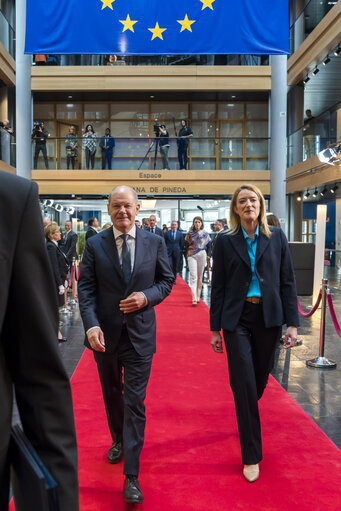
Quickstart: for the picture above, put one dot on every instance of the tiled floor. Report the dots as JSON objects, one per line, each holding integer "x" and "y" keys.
{"x": 317, "y": 391}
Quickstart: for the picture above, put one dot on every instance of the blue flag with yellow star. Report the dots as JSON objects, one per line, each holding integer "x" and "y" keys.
{"x": 149, "y": 27}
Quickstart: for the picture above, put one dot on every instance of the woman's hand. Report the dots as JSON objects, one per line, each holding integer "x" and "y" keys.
{"x": 216, "y": 342}
{"x": 291, "y": 333}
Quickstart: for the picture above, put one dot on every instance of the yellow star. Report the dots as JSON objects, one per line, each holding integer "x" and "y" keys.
{"x": 207, "y": 3}
{"x": 186, "y": 24}
{"x": 157, "y": 31}
{"x": 107, "y": 3}
{"x": 128, "y": 24}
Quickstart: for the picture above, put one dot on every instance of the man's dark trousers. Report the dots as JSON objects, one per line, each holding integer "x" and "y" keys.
{"x": 42, "y": 148}
{"x": 125, "y": 413}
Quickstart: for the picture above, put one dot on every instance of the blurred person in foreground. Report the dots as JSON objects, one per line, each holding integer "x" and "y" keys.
{"x": 124, "y": 274}
{"x": 253, "y": 295}
{"x": 30, "y": 362}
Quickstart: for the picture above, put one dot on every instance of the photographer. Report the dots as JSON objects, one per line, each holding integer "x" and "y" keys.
{"x": 183, "y": 140}
{"x": 40, "y": 134}
{"x": 164, "y": 146}
{"x": 71, "y": 147}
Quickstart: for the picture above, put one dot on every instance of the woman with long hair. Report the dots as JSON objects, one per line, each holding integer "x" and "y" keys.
{"x": 197, "y": 242}
{"x": 253, "y": 295}
{"x": 89, "y": 146}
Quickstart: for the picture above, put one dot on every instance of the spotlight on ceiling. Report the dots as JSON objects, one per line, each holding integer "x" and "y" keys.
{"x": 333, "y": 190}
{"x": 316, "y": 70}
{"x": 326, "y": 61}
{"x": 306, "y": 195}
{"x": 324, "y": 191}
{"x": 337, "y": 51}
{"x": 315, "y": 193}
{"x": 306, "y": 80}
{"x": 299, "y": 198}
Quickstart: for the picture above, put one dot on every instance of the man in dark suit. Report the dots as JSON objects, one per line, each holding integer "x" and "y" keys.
{"x": 153, "y": 227}
{"x": 124, "y": 274}
{"x": 93, "y": 224}
{"x": 29, "y": 355}
{"x": 175, "y": 243}
{"x": 68, "y": 243}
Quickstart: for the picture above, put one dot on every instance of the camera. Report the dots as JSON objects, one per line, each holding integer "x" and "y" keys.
{"x": 36, "y": 124}
{"x": 156, "y": 128}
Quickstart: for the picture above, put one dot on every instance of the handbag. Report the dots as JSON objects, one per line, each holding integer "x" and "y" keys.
{"x": 34, "y": 489}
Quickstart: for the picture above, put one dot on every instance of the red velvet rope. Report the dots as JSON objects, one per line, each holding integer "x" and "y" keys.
{"x": 71, "y": 276}
{"x": 310, "y": 313}
{"x": 333, "y": 315}
{"x": 77, "y": 272}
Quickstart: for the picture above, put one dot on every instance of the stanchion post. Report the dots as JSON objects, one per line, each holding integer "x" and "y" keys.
{"x": 321, "y": 361}
{"x": 74, "y": 283}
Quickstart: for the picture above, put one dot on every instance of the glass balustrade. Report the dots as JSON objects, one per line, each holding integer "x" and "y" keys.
{"x": 139, "y": 153}
{"x": 7, "y": 147}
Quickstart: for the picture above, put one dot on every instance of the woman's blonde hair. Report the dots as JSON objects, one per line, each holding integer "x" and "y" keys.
{"x": 235, "y": 219}
{"x": 50, "y": 229}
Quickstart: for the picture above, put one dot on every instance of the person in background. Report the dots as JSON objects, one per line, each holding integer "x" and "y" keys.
{"x": 175, "y": 243}
{"x": 309, "y": 134}
{"x": 59, "y": 265}
{"x": 253, "y": 294}
{"x": 6, "y": 126}
{"x": 145, "y": 223}
{"x": 107, "y": 144}
{"x": 218, "y": 227}
{"x": 68, "y": 242}
{"x": 273, "y": 220}
{"x": 164, "y": 146}
{"x": 71, "y": 147}
{"x": 93, "y": 225}
{"x": 105, "y": 226}
{"x": 185, "y": 134}
{"x": 89, "y": 146}
{"x": 40, "y": 135}
{"x": 138, "y": 224}
{"x": 30, "y": 362}
{"x": 46, "y": 221}
{"x": 197, "y": 243}
{"x": 153, "y": 227}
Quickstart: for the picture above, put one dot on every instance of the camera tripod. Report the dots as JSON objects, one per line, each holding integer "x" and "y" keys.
{"x": 156, "y": 143}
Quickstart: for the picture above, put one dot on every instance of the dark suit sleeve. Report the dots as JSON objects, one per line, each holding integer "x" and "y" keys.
{"x": 164, "y": 277}
{"x": 72, "y": 249}
{"x": 52, "y": 253}
{"x": 87, "y": 289}
{"x": 182, "y": 241}
{"x": 288, "y": 286}
{"x": 218, "y": 285}
{"x": 41, "y": 385}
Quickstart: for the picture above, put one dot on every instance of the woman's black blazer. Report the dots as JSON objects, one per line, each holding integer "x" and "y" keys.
{"x": 232, "y": 276}
{"x": 58, "y": 263}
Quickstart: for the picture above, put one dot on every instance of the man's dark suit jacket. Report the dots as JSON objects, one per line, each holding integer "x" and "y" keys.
{"x": 174, "y": 246}
{"x": 101, "y": 287}
{"x": 158, "y": 231}
{"x": 29, "y": 353}
{"x": 68, "y": 245}
{"x": 90, "y": 232}
{"x": 232, "y": 276}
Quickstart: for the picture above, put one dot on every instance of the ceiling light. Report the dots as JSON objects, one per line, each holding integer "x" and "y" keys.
{"x": 333, "y": 190}
{"x": 233, "y": 97}
{"x": 324, "y": 191}
{"x": 337, "y": 51}
{"x": 299, "y": 198}
{"x": 148, "y": 203}
{"x": 152, "y": 97}
{"x": 316, "y": 70}
{"x": 326, "y": 61}
{"x": 315, "y": 193}
{"x": 306, "y": 79}
{"x": 70, "y": 97}
{"x": 306, "y": 195}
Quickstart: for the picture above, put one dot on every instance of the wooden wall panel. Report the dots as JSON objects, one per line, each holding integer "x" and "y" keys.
{"x": 310, "y": 174}
{"x": 7, "y": 67}
{"x": 7, "y": 168}
{"x": 156, "y": 78}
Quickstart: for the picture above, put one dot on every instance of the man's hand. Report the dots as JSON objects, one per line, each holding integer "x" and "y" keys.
{"x": 292, "y": 333}
{"x": 133, "y": 302}
{"x": 96, "y": 339}
{"x": 216, "y": 342}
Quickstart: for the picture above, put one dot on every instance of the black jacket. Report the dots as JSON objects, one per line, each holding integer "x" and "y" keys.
{"x": 69, "y": 245}
{"x": 58, "y": 263}
{"x": 232, "y": 276}
{"x": 30, "y": 359}
{"x": 101, "y": 287}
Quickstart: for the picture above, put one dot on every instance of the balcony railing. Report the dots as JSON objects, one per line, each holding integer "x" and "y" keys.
{"x": 7, "y": 35}
{"x": 7, "y": 147}
{"x": 156, "y": 60}
{"x": 139, "y": 154}
{"x": 316, "y": 135}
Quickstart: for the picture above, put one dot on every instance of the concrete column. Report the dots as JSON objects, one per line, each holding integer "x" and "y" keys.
{"x": 23, "y": 96}
{"x": 278, "y": 133}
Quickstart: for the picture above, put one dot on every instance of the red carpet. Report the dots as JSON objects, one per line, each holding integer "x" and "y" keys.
{"x": 191, "y": 457}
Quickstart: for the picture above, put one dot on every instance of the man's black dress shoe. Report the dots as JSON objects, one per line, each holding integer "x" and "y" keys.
{"x": 115, "y": 453}
{"x": 132, "y": 493}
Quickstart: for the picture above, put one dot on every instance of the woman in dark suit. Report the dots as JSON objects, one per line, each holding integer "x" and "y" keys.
{"x": 58, "y": 263}
{"x": 253, "y": 294}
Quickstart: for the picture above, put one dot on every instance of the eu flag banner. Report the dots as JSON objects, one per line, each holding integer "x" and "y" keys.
{"x": 148, "y": 27}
